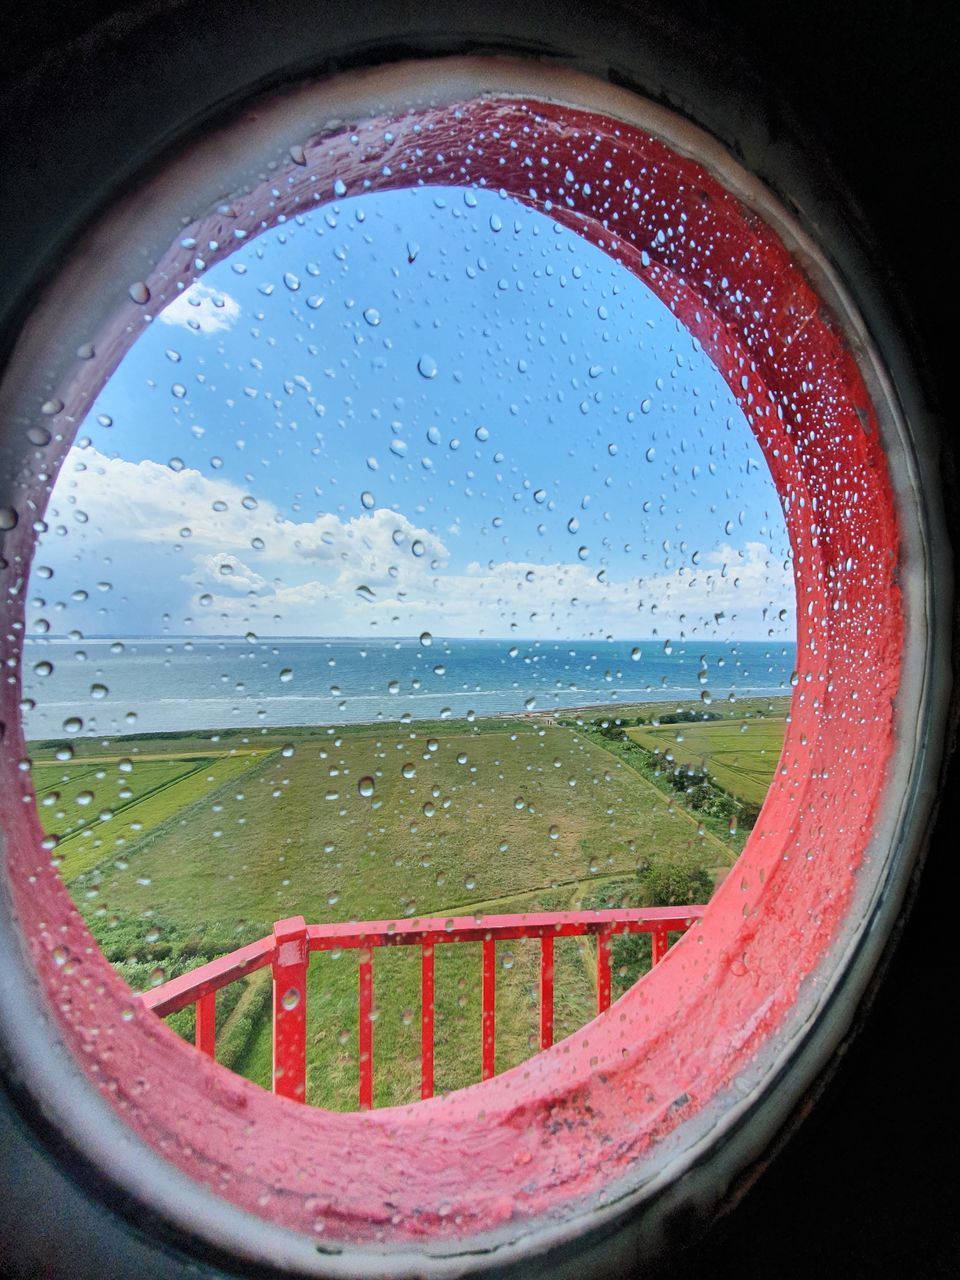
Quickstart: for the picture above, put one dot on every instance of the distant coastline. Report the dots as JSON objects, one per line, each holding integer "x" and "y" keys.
{"x": 111, "y": 687}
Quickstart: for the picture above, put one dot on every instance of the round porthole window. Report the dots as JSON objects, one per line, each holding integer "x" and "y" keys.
{"x": 308, "y": 485}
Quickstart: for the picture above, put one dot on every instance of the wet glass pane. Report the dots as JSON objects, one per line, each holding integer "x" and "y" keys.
{"x": 415, "y": 563}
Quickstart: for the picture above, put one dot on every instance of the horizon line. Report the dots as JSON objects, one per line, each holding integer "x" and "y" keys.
{"x": 434, "y": 638}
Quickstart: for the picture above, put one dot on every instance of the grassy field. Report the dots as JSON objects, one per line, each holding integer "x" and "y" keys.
{"x": 740, "y": 755}
{"x": 213, "y": 838}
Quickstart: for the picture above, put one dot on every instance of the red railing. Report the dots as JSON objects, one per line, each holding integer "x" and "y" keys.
{"x": 288, "y": 951}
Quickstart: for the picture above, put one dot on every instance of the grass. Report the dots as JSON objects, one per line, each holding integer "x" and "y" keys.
{"x": 222, "y": 834}
{"x": 482, "y": 816}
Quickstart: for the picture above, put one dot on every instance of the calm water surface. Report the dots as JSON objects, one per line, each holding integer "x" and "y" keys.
{"x": 161, "y": 684}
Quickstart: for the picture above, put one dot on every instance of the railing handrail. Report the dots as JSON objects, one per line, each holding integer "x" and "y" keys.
{"x": 176, "y": 994}
{"x": 170, "y": 997}
{"x": 534, "y": 924}
{"x": 288, "y": 950}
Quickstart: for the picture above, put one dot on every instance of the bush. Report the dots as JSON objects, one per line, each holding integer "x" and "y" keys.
{"x": 673, "y": 884}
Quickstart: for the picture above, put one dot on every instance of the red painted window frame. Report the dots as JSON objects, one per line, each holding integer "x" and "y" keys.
{"x": 569, "y": 1126}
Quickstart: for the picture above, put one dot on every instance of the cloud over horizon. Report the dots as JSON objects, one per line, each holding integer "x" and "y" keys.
{"x": 194, "y": 552}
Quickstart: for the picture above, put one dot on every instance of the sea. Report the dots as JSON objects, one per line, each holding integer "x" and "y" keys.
{"x": 149, "y": 684}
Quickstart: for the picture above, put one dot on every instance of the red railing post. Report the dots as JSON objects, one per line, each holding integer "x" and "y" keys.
{"x": 603, "y": 970}
{"x": 546, "y": 991}
{"x": 489, "y": 1016}
{"x": 659, "y": 943}
{"x": 205, "y": 1036}
{"x": 426, "y": 1020}
{"x": 365, "y": 1035}
{"x": 290, "y": 959}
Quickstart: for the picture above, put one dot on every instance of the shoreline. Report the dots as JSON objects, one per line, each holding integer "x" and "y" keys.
{"x": 745, "y": 706}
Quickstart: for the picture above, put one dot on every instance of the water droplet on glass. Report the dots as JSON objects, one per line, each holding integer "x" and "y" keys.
{"x": 139, "y": 292}
{"x": 427, "y": 366}
{"x": 286, "y": 675}
{"x": 366, "y": 786}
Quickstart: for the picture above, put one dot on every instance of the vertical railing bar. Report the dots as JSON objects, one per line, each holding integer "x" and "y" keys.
{"x": 426, "y": 1020}
{"x": 290, "y": 959}
{"x": 659, "y": 944}
{"x": 365, "y": 1036}
{"x": 489, "y": 1002}
{"x": 546, "y": 991}
{"x": 205, "y": 1036}
{"x": 603, "y": 970}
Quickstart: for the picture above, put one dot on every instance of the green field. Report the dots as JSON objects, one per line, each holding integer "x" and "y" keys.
{"x": 213, "y": 838}
{"x": 739, "y": 755}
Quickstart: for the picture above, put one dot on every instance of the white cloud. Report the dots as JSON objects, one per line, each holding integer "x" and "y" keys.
{"x": 230, "y": 574}
{"x": 202, "y": 309}
{"x": 378, "y": 572}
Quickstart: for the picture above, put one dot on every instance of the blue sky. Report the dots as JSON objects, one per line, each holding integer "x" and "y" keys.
{"x": 423, "y": 410}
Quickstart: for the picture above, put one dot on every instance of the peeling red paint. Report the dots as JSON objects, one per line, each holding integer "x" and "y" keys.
{"x": 543, "y": 1136}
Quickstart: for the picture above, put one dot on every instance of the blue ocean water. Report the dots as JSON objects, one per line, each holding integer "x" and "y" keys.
{"x": 162, "y": 684}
